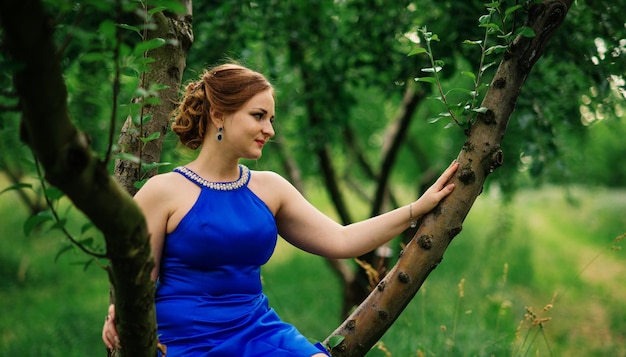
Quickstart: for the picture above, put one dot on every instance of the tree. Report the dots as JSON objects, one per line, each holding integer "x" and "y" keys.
{"x": 480, "y": 156}
{"x": 71, "y": 166}
{"x": 435, "y": 232}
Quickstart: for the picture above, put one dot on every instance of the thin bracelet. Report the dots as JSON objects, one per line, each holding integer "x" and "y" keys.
{"x": 412, "y": 222}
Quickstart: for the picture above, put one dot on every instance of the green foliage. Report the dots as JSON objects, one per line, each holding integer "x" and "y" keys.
{"x": 345, "y": 50}
{"x": 463, "y": 112}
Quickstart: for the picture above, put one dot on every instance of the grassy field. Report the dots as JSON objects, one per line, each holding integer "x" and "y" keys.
{"x": 545, "y": 247}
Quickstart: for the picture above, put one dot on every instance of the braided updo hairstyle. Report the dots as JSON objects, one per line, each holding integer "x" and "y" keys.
{"x": 225, "y": 88}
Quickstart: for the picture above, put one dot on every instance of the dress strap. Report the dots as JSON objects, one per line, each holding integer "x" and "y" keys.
{"x": 244, "y": 177}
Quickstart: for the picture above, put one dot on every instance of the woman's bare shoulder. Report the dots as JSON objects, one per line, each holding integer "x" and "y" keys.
{"x": 164, "y": 184}
{"x": 269, "y": 180}
{"x": 267, "y": 176}
{"x": 270, "y": 187}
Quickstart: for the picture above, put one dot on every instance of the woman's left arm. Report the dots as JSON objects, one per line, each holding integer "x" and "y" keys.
{"x": 306, "y": 227}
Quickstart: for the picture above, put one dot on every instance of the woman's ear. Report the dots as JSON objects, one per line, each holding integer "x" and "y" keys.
{"x": 217, "y": 118}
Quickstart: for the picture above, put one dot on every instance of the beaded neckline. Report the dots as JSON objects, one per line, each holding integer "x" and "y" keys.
{"x": 244, "y": 176}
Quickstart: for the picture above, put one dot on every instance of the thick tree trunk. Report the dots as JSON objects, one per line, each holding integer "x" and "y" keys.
{"x": 166, "y": 70}
{"x": 480, "y": 155}
{"x": 70, "y": 165}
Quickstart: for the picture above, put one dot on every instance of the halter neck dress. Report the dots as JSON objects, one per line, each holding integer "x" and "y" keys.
{"x": 209, "y": 298}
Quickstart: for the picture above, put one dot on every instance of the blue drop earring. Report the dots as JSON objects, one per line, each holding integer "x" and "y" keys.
{"x": 219, "y": 135}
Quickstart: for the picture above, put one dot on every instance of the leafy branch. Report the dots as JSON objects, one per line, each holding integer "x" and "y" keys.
{"x": 53, "y": 194}
{"x": 494, "y": 22}
{"x": 145, "y": 96}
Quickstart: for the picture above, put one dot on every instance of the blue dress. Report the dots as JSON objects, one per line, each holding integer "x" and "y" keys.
{"x": 209, "y": 298}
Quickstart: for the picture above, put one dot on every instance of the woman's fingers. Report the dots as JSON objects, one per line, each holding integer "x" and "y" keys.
{"x": 447, "y": 174}
{"x": 106, "y": 335}
{"x": 109, "y": 332}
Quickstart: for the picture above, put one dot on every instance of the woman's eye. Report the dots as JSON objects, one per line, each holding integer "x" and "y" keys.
{"x": 258, "y": 115}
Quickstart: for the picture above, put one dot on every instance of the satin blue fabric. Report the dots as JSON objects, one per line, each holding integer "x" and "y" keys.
{"x": 209, "y": 297}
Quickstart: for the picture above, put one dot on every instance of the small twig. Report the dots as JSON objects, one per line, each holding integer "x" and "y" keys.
{"x": 116, "y": 83}
{"x": 58, "y": 219}
{"x": 438, "y": 81}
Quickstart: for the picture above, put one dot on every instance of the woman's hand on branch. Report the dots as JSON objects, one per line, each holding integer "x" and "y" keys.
{"x": 435, "y": 193}
{"x": 109, "y": 332}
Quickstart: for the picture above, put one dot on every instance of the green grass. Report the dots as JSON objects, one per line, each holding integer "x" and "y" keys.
{"x": 545, "y": 238}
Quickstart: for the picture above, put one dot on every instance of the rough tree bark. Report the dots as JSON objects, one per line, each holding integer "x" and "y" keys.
{"x": 69, "y": 164}
{"x": 480, "y": 155}
{"x": 167, "y": 69}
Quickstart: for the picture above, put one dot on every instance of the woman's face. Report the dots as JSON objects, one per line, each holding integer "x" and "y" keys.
{"x": 247, "y": 130}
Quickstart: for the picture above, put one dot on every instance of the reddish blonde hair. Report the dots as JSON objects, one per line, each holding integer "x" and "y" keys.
{"x": 225, "y": 89}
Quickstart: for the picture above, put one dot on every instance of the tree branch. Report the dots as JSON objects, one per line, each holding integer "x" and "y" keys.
{"x": 480, "y": 155}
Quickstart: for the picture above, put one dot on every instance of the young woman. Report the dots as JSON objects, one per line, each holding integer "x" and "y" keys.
{"x": 214, "y": 222}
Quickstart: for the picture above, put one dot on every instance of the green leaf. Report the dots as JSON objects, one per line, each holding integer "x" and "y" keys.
{"x": 473, "y": 42}
{"x": 35, "y": 220}
{"x": 511, "y": 10}
{"x": 526, "y": 32}
{"x": 146, "y": 46}
{"x": 335, "y": 340}
{"x": 60, "y": 224}
{"x": 150, "y": 137}
{"x": 157, "y": 9}
{"x": 87, "y": 226}
{"x": 17, "y": 186}
{"x": 431, "y": 69}
{"x": 486, "y": 66}
{"x": 462, "y": 90}
{"x": 65, "y": 249}
{"x": 417, "y": 51}
{"x": 480, "y": 110}
{"x": 496, "y": 49}
{"x": 139, "y": 184}
{"x": 146, "y": 118}
{"x": 484, "y": 19}
{"x": 87, "y": 264}
{"x": 53, "y": 193}
{"x": 438, "y": 117}
{"x": 491, "y": 26}
{"x": 130, "y": 28}
{"x": 87, "y": 242}
{"x": 426, "y": 79}
{"x": 469, "y": 75}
